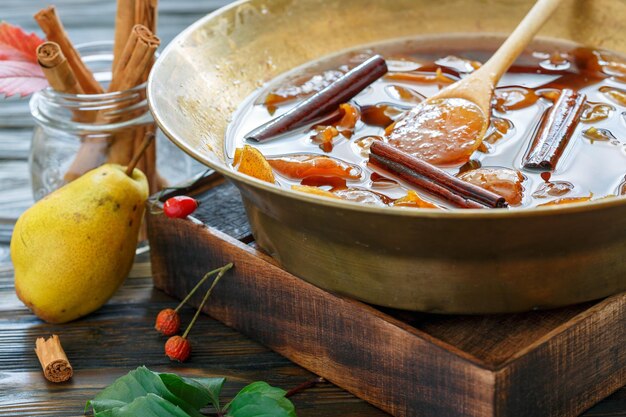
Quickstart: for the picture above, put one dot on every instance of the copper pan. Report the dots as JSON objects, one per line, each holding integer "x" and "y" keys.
{"x": 457, "y": 261}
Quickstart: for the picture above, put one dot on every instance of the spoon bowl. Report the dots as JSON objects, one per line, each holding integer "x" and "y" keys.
{"x": 449, "y": 126}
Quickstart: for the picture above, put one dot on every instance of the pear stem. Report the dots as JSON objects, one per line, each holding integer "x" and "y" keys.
{"x": 194, "y": 289}
{"x": 144, "y": 145}
{"x": 206, "y": 297}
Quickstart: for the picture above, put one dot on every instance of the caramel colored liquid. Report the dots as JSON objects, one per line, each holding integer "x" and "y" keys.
{"x": 419, "y": 68}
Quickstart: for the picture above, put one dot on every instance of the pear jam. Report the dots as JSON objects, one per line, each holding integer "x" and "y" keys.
{"x": 556, "y": 133}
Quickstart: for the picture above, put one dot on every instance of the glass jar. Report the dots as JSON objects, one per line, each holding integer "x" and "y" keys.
{"x": 76, "y": 133}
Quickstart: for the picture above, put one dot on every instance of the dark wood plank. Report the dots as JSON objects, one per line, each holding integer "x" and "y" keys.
{"x": 581, "y": 361}
{"x": 490, "y": 338}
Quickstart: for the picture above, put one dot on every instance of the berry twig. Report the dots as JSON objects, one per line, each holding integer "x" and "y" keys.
{"x": 222, "y": 270}
{"x": 168, "y": 320}
{"x": 178, "y": 347}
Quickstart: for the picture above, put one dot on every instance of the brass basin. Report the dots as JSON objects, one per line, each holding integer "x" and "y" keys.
{"x": 457, "y": 261}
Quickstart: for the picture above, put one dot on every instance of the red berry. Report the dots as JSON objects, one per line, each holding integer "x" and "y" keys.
{"x": 178, "y": 348}
{"x": 179, "y": 207}
{"x": 168, "y": 322}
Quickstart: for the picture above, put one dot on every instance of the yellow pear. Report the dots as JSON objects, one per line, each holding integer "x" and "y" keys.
{"x": 74, "y": 248}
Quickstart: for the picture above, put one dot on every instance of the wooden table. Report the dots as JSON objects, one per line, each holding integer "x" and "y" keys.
{"x": 120, "y": 336}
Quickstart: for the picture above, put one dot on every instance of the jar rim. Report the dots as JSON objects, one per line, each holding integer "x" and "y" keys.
{"x": 49, "y": 92}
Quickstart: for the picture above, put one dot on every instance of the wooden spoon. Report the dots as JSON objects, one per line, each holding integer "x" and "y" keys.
{"x": 448, "y": 127}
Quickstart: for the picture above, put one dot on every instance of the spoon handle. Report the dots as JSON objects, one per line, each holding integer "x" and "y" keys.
{"x": 504, "y": 57}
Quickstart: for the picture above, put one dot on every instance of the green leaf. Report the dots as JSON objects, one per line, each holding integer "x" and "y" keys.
{"x": 150, "y": 405}
{"x": 125, "y": 389}
{"x": 135, "y": 384}
{"x": 213, "y": 387}
{"x": 198, "y": 392}
{"x": 143, "y": 393}
{"x": 260, "y": 399}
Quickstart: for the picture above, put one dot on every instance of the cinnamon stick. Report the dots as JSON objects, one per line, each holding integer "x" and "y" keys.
{"x": 555, "y": 130}
{"x": 56, "y": 367}
{"x": 134, "y": 59}
{"x": 130, "y": 13}
{"x": 434, "y": 180}
{"x": 55, "y": 32}
{"x": 323, "y": 102}
{"x": 134, "y": 49}
{"x": 124, "y": 22}
{"x": 57, "y": 70}
{"x": 146, "y": 13}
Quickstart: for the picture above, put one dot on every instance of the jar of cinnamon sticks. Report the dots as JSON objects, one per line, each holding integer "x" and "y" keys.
{"x": 76, "y": 132}
{"x": 95, "y": 110}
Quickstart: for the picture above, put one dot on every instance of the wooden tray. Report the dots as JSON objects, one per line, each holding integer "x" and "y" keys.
{"x": 542, "y": 363}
